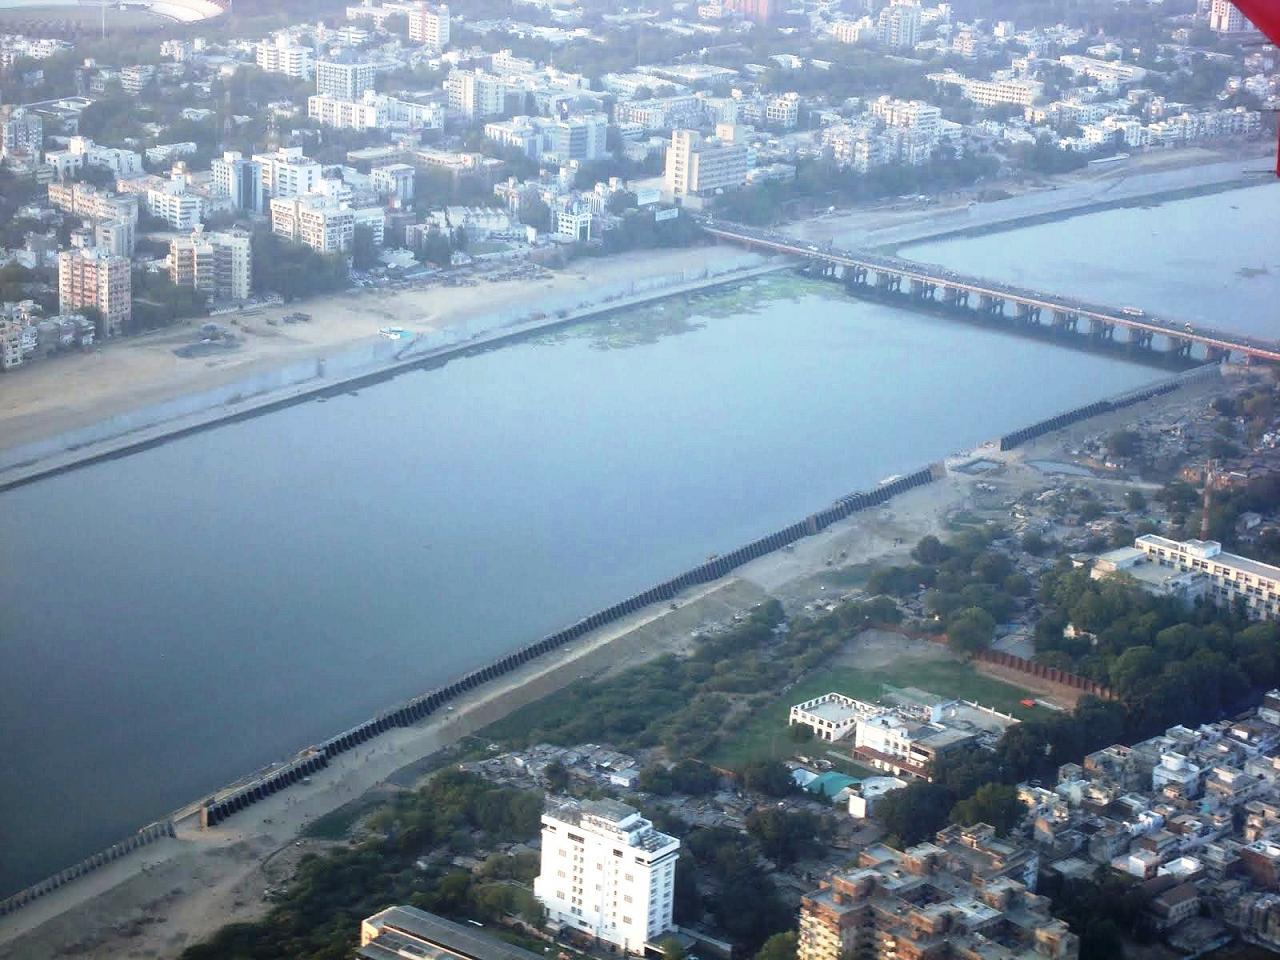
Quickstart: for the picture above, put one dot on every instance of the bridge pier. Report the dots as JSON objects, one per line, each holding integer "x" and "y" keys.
{"x": 1065, "y": 320}
{"x": 1180, "y": 347}
{"x": 855, "y": 276}
{"x": 991, "y": 304}
{"x": 1028, "y": 315}
{"x": 922, "y": 289}
{"x": 1101, "y": 330}
{"x": 1217, "y": 354}
{"x": 888, "y": 281}
{"x": 955, "y": 297}
{"x": 1140, "y": 339}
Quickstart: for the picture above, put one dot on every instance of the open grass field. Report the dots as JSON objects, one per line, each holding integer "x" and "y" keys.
{"x": 765, "y": 736}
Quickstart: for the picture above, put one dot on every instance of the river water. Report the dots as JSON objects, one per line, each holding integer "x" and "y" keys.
{"x": 176, "y": 618}
{"x": 1208, "y": 259}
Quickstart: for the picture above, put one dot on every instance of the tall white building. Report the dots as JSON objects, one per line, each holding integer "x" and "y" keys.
{"x": 1224, "y": 17}
{"x": 284, "y": 56}
{"x": 607, "y": 872}
{"x": 899, "y": 25}
{"x": 174, "y": 205}
{"x": 429, "y": 25}
{"x": 82, "y": 152}
{"x": 344, "y": 77}
{"x": 219, "y": 265}
{"x": 21, "y": 132}
{"x": 288, "y": 173}
{"x": 1228, "y": 578}
{"x": 476, "y": 94}
{"x": 239, "y": 179}
{"x": 702, "y": 165}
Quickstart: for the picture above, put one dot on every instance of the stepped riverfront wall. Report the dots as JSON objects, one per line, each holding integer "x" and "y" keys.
{"x": 1011, "y": 440}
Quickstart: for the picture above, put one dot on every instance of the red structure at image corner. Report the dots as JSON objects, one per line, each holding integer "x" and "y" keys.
{"x": 1265, "y": 15}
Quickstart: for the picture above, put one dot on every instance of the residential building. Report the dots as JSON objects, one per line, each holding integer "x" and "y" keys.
{"x": 662, "y": 113}
{"x": 91, "y": 277}
{"x": 394, "y": 183}
{"x": 399, "y": 932}
{"x": 323, "y": 226}
{"x": 476, "y": 94}
{"x": 697, "y": 165}
{"x": 21, "y": 132}
{"x": 607, "y": 872}
{"x": 239, "y": 179}
{"x": 989, "y": 93}
{"x": 219, "y": 265}
{"x": 373, "y": 111}
{"x": 965, "y": 895}
{"x": 136, "y": 78}
{"x": 429, "y": 25}
{"x": 175, "y": 205}
{"x": 287, "y": 173}
{"x": 344, "y": 77}
{"x": 760, "y": 12}
{"x": 898, "y": 26}
{"x": 853, "y": 31}
{"x": 915, "y": 115}
{"x": 1225, "y": 17}
{"x": 285, "y": 56}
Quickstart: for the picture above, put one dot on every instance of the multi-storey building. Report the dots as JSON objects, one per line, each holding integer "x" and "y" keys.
{"x": 898, "y": 26}
{"x": 963, "y": 897}
{"x": 172, "y": 203}
{"x": 284, "y": 56}
{"x": 324, "y": 225}
{"x": 240, "y": 179}
{"x": 1229, "y": 579}
{"x": 989, "y": 93}
{"x": 696, "y": 165}
{"x": 21, "y": 132}
{"x": 344, "y": 77}
{"x": 853, "y": 31}
{"x": 82, "y": 152}
{"x": 476, "y": 94}
{"x": 219, "y": 265}
{"x": 136, "y": 78}
{"x": 287, "y": 173}
{"x": 429, "y": 25}
{"x": 1225, "y": 17}
{"x": 397, "y": 933}
{"x": 394, "y": 182}
{"x": 662, "y": 113}
{"x": 606, "y": 872}
{"x": 91, "y": 277}
{"x": 373, "y": 111}
{"x": 915, "y": 115}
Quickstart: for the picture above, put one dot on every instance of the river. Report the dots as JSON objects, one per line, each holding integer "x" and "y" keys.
{"x": 173, "y": 619}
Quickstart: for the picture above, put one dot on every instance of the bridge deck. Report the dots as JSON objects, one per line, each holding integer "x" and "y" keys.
{"x": 948, "y": 279}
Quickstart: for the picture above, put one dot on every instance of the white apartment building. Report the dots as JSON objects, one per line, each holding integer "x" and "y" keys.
{"x": 219, "y": 265}
{"x": 429, "y": 25}
{"x": 175, "y": 206}
{"x": 783, "y": 111}
{"x": 988, "y": 93}
{"x": 287, "y": 173}
{"x": 898, "y": 26}
{"x": 853, "y": 31}
{"x": 607, "y": 872}
{"x": 91, "y": 277}
{"x": 1111, "y": 72}
{"x": 915, "y": 115}
{"x": 373, "y": 111}
{"x": 324, "y": 225}
{"x": 82, "y": 152}
{"x": 856, "y": 146}
{"x": 394, "y": 182}
{"x": 661, "y": 113}
{"x": 476, "y": 94}
{"x": 1230, "y": 578}
{"x": 284, "y": 56}
{"x": 344, "y": 77}
{"x": 239, "y": 179}
{"x": 1225, "y": 17}
{"x": 696, "y": 165}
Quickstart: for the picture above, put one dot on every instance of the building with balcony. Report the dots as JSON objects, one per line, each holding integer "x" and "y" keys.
{"x": 90, "y": 277}
{"x": 219, "y": 265}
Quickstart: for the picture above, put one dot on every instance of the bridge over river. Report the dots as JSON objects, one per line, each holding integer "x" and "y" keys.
{"x": 930, "y": 283}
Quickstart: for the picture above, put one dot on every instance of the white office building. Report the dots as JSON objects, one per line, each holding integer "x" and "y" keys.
{"x": 344, "y": 77}
{"x": 1229, "y": 578}
{"x": 697, "y": 165}
{"x": 429, "y": 25}
{"x": 282, "y": 55}
{"x": 240, "y": 179}
{"x": 607, "y": 872}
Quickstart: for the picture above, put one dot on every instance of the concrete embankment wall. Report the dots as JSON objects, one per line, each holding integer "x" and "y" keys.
{"x": 369, "y": 360}
{"x": 1018, "y": 437}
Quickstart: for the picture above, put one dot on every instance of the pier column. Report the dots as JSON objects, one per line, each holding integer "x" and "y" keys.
{"x": 888, "y": 282}
{"x": 1101, "y": 330}
{"x": 992, "y": 305}
{"x": 1140, "y": 339}
{"x": 1065, "y": 320}
{"x": 922, "y": 289}
{"x": 1217, "y": 354}
{"x": 1180, "y": 347}
{"x": 1028, "y": 314}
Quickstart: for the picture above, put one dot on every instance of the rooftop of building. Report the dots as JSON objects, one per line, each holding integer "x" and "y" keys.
{"x": 407, "y": 933}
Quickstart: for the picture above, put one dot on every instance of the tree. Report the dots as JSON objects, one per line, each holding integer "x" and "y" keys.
{"x": 557, "y": 777}
{"x": 784, "y": 837}
{"x": 971, "y": 629}
{"x": 1124, "y": 443}
{"x": 917, "y": 811}
{"x": 1134, "y": 500}
{"x": 769, "y": 777}
{"x": 781, "y": 946}
{"x": 364, "y": 252}
{"x": 930, "y": 551}
{"x": 996, "y": 804}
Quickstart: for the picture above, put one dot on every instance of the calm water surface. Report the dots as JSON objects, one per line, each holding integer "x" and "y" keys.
{"x": 1209, "y": 259}
{"x": 173, "y": 619}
